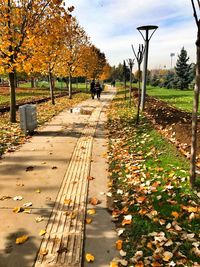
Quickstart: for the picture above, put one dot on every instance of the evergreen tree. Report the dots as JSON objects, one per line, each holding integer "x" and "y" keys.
{"x": 183, "y": 71}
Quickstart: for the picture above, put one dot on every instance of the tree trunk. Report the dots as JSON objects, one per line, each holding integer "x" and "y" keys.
{"x": 86, "y": 85}
{"x": 139, "y": 97}
{"x": 195, "y": 114}
{"x": 12, "y": 97}
{"x": 67, "y": 82}
{"x": 16, "y": 79}
{"x": 70, "y": 87}
{"x": 51, "y": 88}
{"x": 32, "y": 82}
{"x": 130, "y": 93}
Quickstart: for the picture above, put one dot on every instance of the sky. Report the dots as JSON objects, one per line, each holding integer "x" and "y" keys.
{"x": 112, "y": 27}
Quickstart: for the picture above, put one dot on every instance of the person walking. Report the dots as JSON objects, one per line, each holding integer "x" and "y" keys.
{"x": 92, "y": 88}
{"x": 98, "y": 90}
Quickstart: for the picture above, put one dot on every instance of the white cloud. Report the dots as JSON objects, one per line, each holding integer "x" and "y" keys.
{"x": 112, "y": 24}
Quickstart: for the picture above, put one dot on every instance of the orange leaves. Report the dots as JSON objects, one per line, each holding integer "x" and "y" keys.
{"x": 141, "y": 199}
{"x": 156, "y": 264}
{"x": 175, "y": 214}
{"x": 94, "y": 201}
{"x": 119, "y": 244}
{"x": 190, "y": 209}
{"x": 21, "y": 239}
{"x": 90, "y": 178}
{"x": 127, "y": 220}
{"x": 67, "y": 201}
{"x": 88, "y": 220}
{"x": 43, "y": 252}
{"x": 139, "y": 264}
{"x": 89, "y": 257}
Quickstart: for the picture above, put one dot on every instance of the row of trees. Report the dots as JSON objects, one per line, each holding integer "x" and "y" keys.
{"x": 181, "y": 77}
{"x": 42, "y": 37}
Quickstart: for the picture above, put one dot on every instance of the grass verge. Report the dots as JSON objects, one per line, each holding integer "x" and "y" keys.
{"x": 156, "y": 212}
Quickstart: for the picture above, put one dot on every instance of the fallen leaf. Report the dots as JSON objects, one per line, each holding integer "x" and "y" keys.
{"x": 119, "y": 244}
{"x": 38, "y": 191}
{"x": 94, "y": 201}
{"x": 122, "y": 253}
{"x": 67, "y": 201}
{"x": 39, "y": 219}
{"x": 73, "y": 215}
{"x": 89, "y": 257}
{"x": 175, "y": 214}
{"x": 114, "y": 264}
{"x": 91, "y": 211}
{"x": 193, "y": 209}
{"x": 18, "y": 209}
{"x": 167, "y": 255}
{"x": 28, "y": 204}
{"x": 126, "y": 222}
{"x": 21, "y": 239}
{"x": 156, "y": 264}
{"x": 88, "y": 220}
{"x": 169, "y": 243}
{"x": 27, "y": 211}
{"x": 17, "y": 198}
{"x": 43, "y": 252}
{"x": 42, "y": 232}
{"x": 139, "y": 264}
{"x": 90, "y": 178}
{"x": 140, "y": 199}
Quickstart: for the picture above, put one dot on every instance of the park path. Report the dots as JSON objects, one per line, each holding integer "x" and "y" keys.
{"x": 50, "y": 174}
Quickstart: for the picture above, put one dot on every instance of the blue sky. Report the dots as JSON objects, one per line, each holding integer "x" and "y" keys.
{"x": 111, "y": 26}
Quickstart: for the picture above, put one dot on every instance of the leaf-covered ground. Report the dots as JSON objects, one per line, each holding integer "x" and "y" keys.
{"x": 11, "y": 135}
{"x": 173, "y": 123}
{"x": 156, "y": 213}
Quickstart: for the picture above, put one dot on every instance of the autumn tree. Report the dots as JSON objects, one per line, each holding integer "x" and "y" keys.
{"x": 74, "y": 42}
{"x": 46, "y": 49}
{"x": 106, "y": 72}
{"x": 17, "y": 22}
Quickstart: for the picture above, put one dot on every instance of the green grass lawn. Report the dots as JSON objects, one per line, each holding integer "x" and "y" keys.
{"x": 28, "y": 93}
{"x": 155, "y": 208}
{"x": 177, "y": 98}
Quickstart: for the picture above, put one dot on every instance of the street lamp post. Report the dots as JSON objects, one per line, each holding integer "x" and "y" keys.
{"x": 124, "y": 73}
{"x": 146, "y": 36}
{"x": 172, "y": 55}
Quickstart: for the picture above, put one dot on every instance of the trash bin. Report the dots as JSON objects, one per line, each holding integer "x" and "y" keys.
{"x": 28, "y": 118}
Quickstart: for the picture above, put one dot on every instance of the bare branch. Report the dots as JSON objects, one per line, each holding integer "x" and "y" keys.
{"x": 195, "y": 12}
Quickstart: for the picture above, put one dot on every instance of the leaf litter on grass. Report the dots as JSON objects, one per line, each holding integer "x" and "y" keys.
{"x": 152, "y": 199}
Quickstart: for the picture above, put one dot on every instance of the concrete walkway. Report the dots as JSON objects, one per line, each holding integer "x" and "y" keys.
{"x": 49, "y": 177}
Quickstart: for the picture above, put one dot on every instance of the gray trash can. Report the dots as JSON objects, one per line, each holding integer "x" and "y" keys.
{"x": 28, "y": 118}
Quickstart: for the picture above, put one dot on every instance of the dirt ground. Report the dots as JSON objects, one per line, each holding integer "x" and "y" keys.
{"x": 173, "y": 123}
